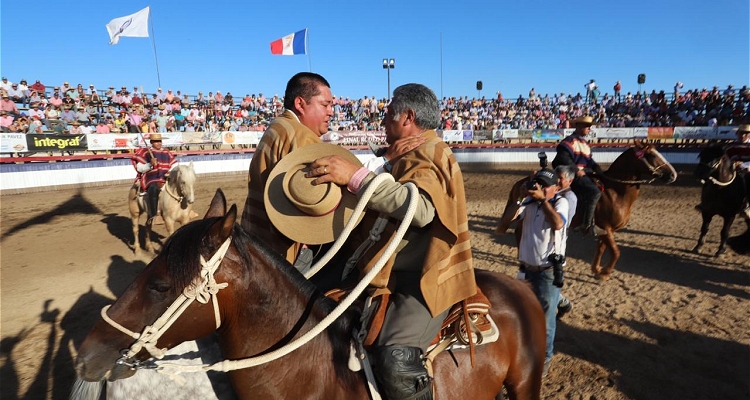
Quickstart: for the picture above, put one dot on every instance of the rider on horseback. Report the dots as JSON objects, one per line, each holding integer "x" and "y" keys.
{"x": 574, "y": 150}
{"x": 153, "y": 165}
{"x": 739, "y": 153}
{"x": 433, "y": 268}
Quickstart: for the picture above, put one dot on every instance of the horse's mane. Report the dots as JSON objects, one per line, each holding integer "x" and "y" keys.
{"x": 183, "y": 254}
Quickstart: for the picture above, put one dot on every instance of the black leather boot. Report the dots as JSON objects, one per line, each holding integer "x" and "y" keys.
{"x": 153, "y": 200}
{"x": 401, "y": 374}
{"x": 589, "y": 209}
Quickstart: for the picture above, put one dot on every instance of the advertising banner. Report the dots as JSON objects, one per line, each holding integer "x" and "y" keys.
{"x": 541, "y": 135}
{"x": 201, "y": 137}
{"x": 483, "y": 135}
{"x": 13, "y": 143}
{"x": 453, "y": 136}
{"x": 56, "y": 142}
{"x": 660, "y": 133}
{"x": 694, "y": 132}
{"x": 250, "y": 138}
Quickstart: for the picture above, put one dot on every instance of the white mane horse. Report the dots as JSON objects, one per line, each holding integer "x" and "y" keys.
{"x": 175, "y": 203}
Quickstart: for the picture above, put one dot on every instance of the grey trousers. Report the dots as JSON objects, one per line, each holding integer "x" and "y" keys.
{"x": 408, "y": 321}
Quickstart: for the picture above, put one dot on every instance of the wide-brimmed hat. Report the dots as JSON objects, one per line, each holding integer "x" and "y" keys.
{"x": 587, "y": 120}
{"x": 301, "y": 211}
{"x": 743, "y": 128}
{"x": 155, "y": 136}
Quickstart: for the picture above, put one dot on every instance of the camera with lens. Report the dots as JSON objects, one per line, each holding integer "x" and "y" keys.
{"x": 531, "y": 185}
{"x": 557, "y": 261}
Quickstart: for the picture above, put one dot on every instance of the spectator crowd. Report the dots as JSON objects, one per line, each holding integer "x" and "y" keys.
{"x": 71, "y": 109}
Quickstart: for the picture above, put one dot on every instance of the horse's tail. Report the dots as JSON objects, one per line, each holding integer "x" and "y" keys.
{"x": 84, "y": 390}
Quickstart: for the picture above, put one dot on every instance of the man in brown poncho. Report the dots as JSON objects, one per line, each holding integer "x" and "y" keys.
{"x": 434, "y": 267}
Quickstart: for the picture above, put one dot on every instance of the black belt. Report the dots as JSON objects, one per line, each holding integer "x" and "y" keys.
{"x": 531, "y": 268}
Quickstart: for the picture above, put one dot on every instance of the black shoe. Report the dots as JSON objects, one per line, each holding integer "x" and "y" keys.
{"x": 563, "y": 307}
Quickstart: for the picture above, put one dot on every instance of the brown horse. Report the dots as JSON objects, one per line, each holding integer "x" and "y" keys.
{"x": 622, "y": 182}
{"x": 175, "y": 203}
{"x": 722, "y": 194}
{"x": 268, "y": 303}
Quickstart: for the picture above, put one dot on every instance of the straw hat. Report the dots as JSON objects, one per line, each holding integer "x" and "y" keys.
{"x": 306, "y": 213}
{"x": 743, "y": 128}
{"x": 155, "y": 136}
{"x": 587, "y": 120}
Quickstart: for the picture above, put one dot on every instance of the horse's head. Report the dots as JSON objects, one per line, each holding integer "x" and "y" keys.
{"x": 139, "y": 324}
{"x": 653, "y": 163}
{"x": 708, "y": 161}
{"x": 186, "y": 182}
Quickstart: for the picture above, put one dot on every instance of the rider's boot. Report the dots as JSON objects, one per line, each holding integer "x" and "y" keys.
{"x": 401, "y": 374}
{"x": 153, "y": 201}
{"x": 589, "y": 209}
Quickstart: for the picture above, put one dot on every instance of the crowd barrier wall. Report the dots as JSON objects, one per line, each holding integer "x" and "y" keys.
{"x": 19, "y": 143}
{"x": 46, "y": 176}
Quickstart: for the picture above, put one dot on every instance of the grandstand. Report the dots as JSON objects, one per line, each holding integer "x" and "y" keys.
{"x": 112, "y": 119}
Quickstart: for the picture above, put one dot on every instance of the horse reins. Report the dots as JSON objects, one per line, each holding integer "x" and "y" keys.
{"x": 651, "y": 169}
{"x": 203, "y": 289}
{"x": 172, "y": 195}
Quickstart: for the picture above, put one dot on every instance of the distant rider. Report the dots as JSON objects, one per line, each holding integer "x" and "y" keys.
{"x": 574, "y": 150}
{"x": 153, "y": 165}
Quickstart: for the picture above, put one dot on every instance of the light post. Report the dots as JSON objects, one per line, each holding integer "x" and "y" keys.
{"x": 389, "y": 64}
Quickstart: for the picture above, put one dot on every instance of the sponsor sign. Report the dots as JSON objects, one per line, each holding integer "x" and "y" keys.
{"x": 251, "y": 138}
{"x": 453, "y": 136}
{"x": 36, "y": 142}
{"x": 660, "y": 133}
{"x": 201, "y": 137}
{"x": 539, "y": 135}
{"x": 13, "y": 143}
{"x": 694, "y": 132}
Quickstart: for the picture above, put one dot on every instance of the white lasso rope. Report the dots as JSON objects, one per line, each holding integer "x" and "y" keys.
{"x": 231, "y": 365}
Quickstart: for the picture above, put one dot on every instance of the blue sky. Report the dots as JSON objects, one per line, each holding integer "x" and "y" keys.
{"x": 552, "y": 46}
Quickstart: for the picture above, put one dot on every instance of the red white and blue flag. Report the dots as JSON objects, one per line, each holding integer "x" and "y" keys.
{"x": 292, "y": 44}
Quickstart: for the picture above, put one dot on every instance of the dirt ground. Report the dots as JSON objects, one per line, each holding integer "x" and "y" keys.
{"x": 670, "y": 324}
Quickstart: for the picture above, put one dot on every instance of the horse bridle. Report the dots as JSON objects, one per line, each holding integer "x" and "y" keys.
{"x": 712, "y": 167}
{"x": 655, "y": 173}
{"x": 203, "y": 289}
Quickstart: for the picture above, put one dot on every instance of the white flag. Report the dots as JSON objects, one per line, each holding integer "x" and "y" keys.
{"x": 133, "y": 25}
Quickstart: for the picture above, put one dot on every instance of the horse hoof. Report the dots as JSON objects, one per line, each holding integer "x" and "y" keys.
{"x": 697, "y": 249}
{"x": 603, "y": 276}
{"x": 719, "y": 252}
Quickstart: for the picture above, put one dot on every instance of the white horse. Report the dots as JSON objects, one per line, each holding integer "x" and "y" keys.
{"x": 175, "y": 203}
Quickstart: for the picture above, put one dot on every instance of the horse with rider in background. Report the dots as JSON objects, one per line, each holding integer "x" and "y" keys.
{"x": 174, "y": 203}
{"x": 619, "y": 186}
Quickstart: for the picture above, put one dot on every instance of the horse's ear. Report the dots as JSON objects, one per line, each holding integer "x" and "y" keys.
{"x": 223, "y": 228}
{"x": 638, "y": 142}
{"x": 218, "y": 206}
{"x": 191, "y": 165}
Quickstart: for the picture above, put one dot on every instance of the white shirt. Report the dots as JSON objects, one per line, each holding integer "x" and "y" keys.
{"x": 537, "y": 237}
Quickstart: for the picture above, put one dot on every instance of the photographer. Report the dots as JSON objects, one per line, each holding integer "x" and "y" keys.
{"x": 541, "y": 250}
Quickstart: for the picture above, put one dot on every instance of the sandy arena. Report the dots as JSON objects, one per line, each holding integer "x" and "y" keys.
{"x": 670, "y": 324}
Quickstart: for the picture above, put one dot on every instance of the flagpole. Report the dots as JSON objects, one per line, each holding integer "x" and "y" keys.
{"x": 307, "y": 45}
{"x": 153, "y": 41}
{"x": 441, "y": 66}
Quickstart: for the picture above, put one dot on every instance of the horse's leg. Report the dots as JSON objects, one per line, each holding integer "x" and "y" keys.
{"x": 704, "y": 230}
{"x": 135, "y": 215}
{"x": 149, "y": 225}
{"x": 600, "y": 247}
{"x": 728, "y": 220}
{"x": 511, "y": 207}
{"x": 614, "y": 250}
{"x": 136, "y": 240}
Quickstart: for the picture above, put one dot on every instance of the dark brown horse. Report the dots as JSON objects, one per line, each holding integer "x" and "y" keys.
{"x": 722, "y": 193}
{"x": 622, "y": 182}
{"x": 268, "y": 303}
